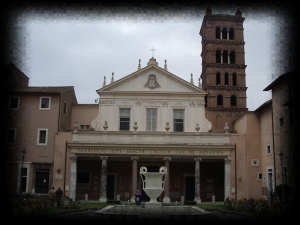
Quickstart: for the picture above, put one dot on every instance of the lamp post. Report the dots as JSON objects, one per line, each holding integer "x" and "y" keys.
{"x": 281, "y": 155}
{"x": 23, "y": 155}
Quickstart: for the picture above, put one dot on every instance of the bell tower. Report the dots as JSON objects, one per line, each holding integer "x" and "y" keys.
{"x": 223, "y": 68}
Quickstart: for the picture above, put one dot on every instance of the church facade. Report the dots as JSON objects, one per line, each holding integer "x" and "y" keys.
{"x": 211, "y": 145}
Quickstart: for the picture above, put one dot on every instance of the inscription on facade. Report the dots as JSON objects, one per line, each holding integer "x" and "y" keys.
{"x": 150, "y": 152}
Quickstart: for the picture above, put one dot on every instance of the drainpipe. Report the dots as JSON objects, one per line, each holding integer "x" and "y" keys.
{"x": 274, "y": 162}
{"x": 247, "y": 187}
{"x": 235, "y": 179}
{"x": 65, "y": 167}
{"x": 59, "y": 112}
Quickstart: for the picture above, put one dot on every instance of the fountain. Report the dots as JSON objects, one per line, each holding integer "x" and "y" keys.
{"x": 153, "y": 185}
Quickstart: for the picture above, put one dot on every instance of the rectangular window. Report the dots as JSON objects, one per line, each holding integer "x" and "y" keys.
{"x": 65, "y": 107}
{"x": 45, "y": 103}
{"x": 259, "y": 176}
{"x": 291, "y": 114}
{"x": 42, "y": 136}
{"x": 151, "y": 119}
{"x": 268, "y": 149}
{"x": 11, "y": 136}
{"x": 285, "y": 175}
{"x": 83, "y": 177}
{"x": 178, "y": 115}
{"x": 14, "y": 102}
{"x": 281, "y": 122}
{"x": 84, "y": 127}
{"x": 124, "y": 119}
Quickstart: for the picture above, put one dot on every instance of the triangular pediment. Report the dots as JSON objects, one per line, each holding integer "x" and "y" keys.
{"x": 151, "y": 78}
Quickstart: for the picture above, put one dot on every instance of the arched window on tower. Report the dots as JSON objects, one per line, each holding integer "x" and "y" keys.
{"x": 220, "y": 100}
{"x": 226, "y": 78}
{"x": 218, "y": 56}
{"x": 218, "y": 79}
{"x": 234, "y": 79}
{"x": 233, "y": 100}
{"x": 225, "y": 56}
{"x": 224, "y": 33}
{"x": 231, "y": 33}
{"x": 205, "y": 101}
{"x": 232, "y": 57}
{"x": 218, "y": 33}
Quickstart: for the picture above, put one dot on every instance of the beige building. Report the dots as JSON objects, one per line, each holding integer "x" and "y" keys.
{"x": 150, "y": 118}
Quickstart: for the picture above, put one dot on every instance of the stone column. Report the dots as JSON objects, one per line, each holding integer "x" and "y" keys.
{"x": 222, "y": 56}
{"x": 197, "y": 180}
{"x": 103, "y": 186}
{"x": 73, "y": 176}
{"x": 227, "y": 178}
{"x": 166, "y": 198}
{"x": 134, "y": 177}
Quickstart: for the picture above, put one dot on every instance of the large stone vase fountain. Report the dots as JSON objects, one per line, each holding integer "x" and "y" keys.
{"x": 153, "y": 184}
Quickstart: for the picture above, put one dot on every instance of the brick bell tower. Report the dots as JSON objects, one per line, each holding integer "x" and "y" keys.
{"x": 223, "y": 68}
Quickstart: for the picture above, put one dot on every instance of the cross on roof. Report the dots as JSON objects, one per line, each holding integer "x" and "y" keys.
{"x": 152, "y": 51}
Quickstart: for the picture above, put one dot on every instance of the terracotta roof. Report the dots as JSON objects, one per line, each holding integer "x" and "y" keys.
{"x": 280, "y": 79}
{"x": 263, "y": 105}
{"x": 41, "y": 89}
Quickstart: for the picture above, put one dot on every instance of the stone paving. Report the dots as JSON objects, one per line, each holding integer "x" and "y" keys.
{"x": 93, "y": 216}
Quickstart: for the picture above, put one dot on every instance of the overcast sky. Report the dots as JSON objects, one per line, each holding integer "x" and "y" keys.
{"x": 80, "y": 51}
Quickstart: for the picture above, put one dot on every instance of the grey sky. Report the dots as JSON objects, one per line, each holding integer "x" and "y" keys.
{"x": 80, "y": 51}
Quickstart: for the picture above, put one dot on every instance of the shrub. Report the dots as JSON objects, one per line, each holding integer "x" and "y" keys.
{"x": 190, "y": 202}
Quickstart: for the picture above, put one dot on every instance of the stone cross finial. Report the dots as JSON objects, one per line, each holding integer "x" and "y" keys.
{"x": 152, "y": 49}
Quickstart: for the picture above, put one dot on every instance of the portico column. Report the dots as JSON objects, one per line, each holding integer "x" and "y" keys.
{"x": 166, "y": 198}
{"x": 73, "y": 176}
{"x": 197, "y": 180}
{"x": 103, "y": 186}
{"x": 227, "y": 178}
{"x": 134, "y": 177}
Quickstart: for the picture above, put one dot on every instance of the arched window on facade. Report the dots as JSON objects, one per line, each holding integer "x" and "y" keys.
{"x": 218, "y": 56}
{"x": 220, "y": 100}
{"x": 234, "y": 79}
{"x": 218, "y": 79}
{"x": 225, "y": 56}
{"x": 226, "y": 79}
{"x": 231, "y": 33}
{"x": 232, "y": 57}
{"x": 233, "y": 100}
{"x": 224, "y": 33}
{"x": 218, "y": 33}
{"x": 205, "y": 101}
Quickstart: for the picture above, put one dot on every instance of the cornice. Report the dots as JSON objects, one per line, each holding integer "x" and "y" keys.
{"x": 226, "y": 109}
{"x": 227, "y": 88}
{"x": 224, "y": 41}
{"x": 225, "y": 65}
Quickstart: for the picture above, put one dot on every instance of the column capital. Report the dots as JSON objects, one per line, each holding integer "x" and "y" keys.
{"x": 167, "y": 158}
{"x": 227, "y": 160}
{"x": 197, "y": 159}
{"x": 73, "y": 157}
{"x": 134, "y": 158}
{"x": 103, "y": 157}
